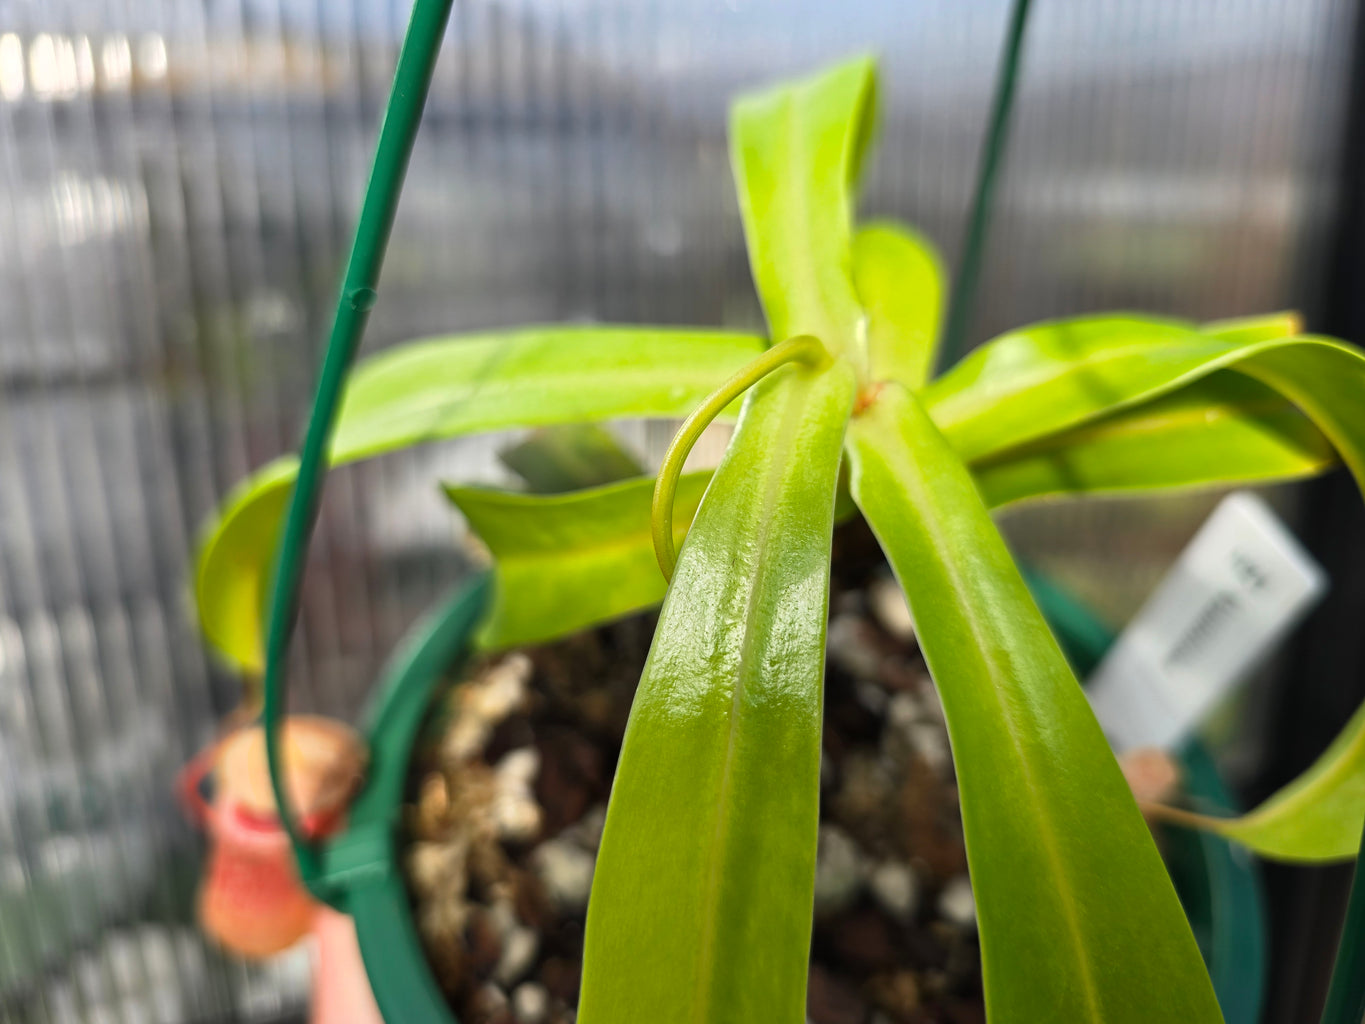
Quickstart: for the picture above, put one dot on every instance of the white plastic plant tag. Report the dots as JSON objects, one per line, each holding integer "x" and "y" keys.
{"x": 1235, "y": 591}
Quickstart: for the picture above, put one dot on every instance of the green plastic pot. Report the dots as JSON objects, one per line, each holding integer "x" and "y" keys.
{"x": 358, "y": 871}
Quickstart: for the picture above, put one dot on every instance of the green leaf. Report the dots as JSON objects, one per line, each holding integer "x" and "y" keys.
{"x": 448, "y": 387}
{"x": 566, "y": 562}
{"x": 796, "y": 150}
{"x": 1318, "y": 817}
{"x": 1224, "y": 430}
{"x": 233, "y": 569}
{"x": 531, "y": 377}
{"x": 1285, "y": 324}
{"x": 570, "y": 457}
{"x": 1077, "y": 916}
{"x": 1322, "y": 377}
{"x": 702, "y": 898}
{"x": 1041, "y": 379}
{"x": 900, "y": 282}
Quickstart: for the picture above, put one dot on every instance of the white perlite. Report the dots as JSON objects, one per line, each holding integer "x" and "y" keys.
{"x": 530, "y": 1003}
{"x": 519, "y": 948}
{"x": 565, "y": 870}
{"x": 895, "y": 889}
{"x": 515, "y": 811}
{"x": 890, "y": 609}
{"x": 483, "y": 703}
{"x": 956, "y": 903}
{"x": 839, "y": 871}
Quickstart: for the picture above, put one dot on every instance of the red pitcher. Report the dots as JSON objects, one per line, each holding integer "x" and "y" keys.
{"x": 251, "y": 900}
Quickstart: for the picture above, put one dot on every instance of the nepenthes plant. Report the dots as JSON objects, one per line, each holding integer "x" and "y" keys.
{"x": 701, "y": 903}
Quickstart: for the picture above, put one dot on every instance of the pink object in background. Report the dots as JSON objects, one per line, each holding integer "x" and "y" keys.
{"x": 252, "y": 901}
{"x": 341, "y": 989}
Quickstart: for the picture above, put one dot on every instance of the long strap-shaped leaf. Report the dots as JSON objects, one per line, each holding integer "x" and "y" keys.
{"x": 531, "y": 377}
{"x": 1319, "y": 816}
{"x": 1023, "y": 385}
{"x": 1215, "y": 432}
{"x": 702, "y": 897}
{"x": 1078, "y": 919}
{"x": 1224, "y": 430}
{"x": 1220, "y": 432}
{"x": 796, "y": 151}
{"x": 444, "y": 388}
{"x": 458, "y": 385}
{"x": 1041, "y": 379}
{"x": 1310, "y": 819}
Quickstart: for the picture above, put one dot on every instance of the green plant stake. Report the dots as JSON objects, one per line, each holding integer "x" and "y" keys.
{"x": 412, "y": 79}
{"x": 701, "y": 902}
{"x": 983, "y": 200}
{"x": 358, "y": 871}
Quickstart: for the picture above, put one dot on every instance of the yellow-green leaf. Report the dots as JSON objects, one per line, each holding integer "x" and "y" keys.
{"x": 447, "y": 387}
{"x": 702, "y": 898}
{"x": 570, "y": 457}
{"x": 1047, "y": 377}
{"x": 1284, "y": 324}
{"x": 1316, "y": 818}
{"x": 1224, "y": 430}
{"x": 568, "y": 561}
{"x": 796, "y": 150}
{"x": 899, "y": 278}
{"x": 1025, "y": 384}
{"x": 1078, "y": 919}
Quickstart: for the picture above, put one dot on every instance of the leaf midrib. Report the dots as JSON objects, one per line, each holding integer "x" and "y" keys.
{"x": 974, "y": 396}
{"x": 777, "y": 463}
{"x": 796, "y": 210}
{"x": 1041, "y": 813}
{"x": 1121, "y": 428}
{"x": 633, "y": 384}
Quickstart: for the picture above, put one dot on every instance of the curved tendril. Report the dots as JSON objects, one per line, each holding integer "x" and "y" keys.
{"x": 803, "y": 348}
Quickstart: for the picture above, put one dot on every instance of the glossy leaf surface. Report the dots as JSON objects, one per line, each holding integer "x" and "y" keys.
{"x": 1227, "y": 429}
{"x": 531, "y": 377}
{"x": 1077, "y": 917}
{"x": 566, "y": 562}
{"x": 1047, "y": 377}
{"x": 1224, "y": 430}
{"x": 448, "y": 387}
{"x": 796, "y": 150}
{"x": 900, "y": 282}
{"x": 1320, "y": 815}
{"x": 1322, "y": 378}
{"x": 702, "y": 899}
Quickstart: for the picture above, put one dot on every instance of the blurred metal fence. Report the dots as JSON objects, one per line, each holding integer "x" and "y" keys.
{"x": 178, "y": 179}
